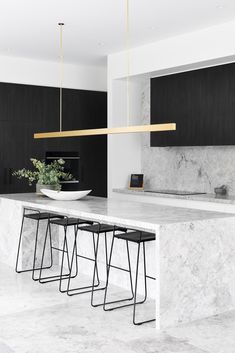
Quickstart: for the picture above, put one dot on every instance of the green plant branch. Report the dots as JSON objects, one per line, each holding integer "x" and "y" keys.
{"x": 45, "y": 174}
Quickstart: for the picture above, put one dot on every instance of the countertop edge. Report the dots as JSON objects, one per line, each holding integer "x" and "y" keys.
{"x": 230, "y": 200}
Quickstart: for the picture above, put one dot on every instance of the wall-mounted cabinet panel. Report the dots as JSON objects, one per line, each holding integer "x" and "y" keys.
{"x": 201, "y": 102}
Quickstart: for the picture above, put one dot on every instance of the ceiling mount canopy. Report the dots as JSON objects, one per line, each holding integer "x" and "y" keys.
{"x": 103, "y": 131}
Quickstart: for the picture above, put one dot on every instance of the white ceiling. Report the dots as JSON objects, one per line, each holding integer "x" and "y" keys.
{"x": 95, "y": 28}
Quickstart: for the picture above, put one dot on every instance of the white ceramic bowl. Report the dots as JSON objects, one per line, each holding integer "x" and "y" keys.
{"x": 65, "y": 195}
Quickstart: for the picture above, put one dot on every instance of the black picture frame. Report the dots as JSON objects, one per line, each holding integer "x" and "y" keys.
{"x": 137, "y": 181}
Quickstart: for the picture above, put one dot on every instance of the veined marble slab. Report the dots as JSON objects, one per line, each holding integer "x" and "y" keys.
{"x": 144, "y": 216}
{"x": 192, "y": 257}
{"x": 197, "y": 270}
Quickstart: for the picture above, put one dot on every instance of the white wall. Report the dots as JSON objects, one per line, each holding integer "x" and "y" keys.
{"x": 208, "y": 47}
{"x": 46, "y": 73}
{"x": 124, "y": 150}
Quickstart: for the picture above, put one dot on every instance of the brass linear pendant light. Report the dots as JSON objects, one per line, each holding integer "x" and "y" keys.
{"x": 103, "y": 131}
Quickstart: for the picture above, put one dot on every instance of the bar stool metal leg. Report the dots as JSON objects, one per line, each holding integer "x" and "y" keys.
{"x": 19, "y": 245}
{"x": 35, "y": 253}
{"x": 35, "y": 250}
{"x": 131, "y": 282}
{"x": 84, "y": 289}
{"x": 35, "y": 246}
{"x": 53, "y": 278}
{"x": 136, "y": 284}
{"x": 70, "y": 265}
{"x": 95, "y": 265}
{"x": 62, "y": 265}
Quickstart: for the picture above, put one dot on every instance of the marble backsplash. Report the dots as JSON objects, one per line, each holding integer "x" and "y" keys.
{"x": 185, "y": 168}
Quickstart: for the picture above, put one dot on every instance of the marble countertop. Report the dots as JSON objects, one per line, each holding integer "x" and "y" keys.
{"x": 141, "y": 215}
{"x": 227, "y": 199}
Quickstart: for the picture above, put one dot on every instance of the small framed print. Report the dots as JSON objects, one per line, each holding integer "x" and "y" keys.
{"x": 137, "y": 181}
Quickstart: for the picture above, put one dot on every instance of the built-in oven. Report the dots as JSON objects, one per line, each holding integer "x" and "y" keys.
{"x": 71, "y": 166}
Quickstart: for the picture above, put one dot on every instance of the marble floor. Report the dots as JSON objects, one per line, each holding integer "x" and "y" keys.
{"x": 36, "y": 318}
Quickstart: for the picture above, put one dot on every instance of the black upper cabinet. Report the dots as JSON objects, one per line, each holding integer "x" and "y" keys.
{"x": 26, "y": 109}
{"x": 201, "y": 102}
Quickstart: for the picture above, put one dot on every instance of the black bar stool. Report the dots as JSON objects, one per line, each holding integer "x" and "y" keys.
{"x": 138, "y": 237}
{"x": 65, "y": 223}
{"x": 37, "y": 216}
{"x": 97, "y": 229}
{"x": 75, "y": 255}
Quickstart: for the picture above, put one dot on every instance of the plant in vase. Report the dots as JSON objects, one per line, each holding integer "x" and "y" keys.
{"x": 46, "y": 176}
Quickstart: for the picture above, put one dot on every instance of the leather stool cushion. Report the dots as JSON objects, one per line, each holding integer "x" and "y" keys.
{"x": 136, "y": 236}
{"x": 42, "y": 215}
{"x": 69, "y": 221}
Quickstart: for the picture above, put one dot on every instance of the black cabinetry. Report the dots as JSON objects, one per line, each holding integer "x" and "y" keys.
{"x": 26, "y": 109}
{"x": 201, "y": 102}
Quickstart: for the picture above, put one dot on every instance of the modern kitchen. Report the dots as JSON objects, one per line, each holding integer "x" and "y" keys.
{"x": 117, "y": 177}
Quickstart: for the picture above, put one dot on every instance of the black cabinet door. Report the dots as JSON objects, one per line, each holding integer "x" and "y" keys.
{"x": 88, "y": 110}
{"x": 13, "y": 146}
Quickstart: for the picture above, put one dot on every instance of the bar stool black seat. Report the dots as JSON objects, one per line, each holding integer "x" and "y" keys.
{"x": 69, "y": 221}
{"x": 38, "y": 216}
{"x": 98, "y": 229}
{"x": 101, "y": 228}
{"x": 65, "y": 223}
{"x": 138, "y": 237}
{"x": 42, "y": 216}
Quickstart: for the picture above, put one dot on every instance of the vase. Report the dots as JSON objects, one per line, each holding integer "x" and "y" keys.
{"x": 39, "y": 187}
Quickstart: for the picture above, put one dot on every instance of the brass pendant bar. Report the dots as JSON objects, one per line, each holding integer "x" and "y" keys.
{"x": 108, "y": 131}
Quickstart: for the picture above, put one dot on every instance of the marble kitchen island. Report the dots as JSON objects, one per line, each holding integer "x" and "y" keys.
{"x": 193, "y": 256}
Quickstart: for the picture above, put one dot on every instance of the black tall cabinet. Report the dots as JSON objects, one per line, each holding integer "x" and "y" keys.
{"x": 26, "y": 109}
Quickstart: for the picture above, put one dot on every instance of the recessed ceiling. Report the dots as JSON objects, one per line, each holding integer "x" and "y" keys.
{"x": 95, "y": 28}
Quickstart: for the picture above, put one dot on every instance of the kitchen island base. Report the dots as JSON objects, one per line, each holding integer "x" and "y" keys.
{"x": 192, "y": 258}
